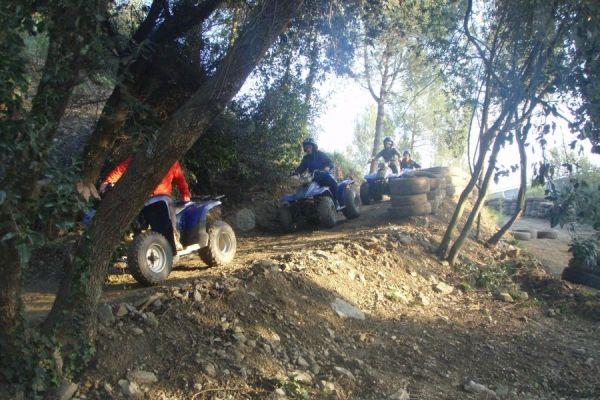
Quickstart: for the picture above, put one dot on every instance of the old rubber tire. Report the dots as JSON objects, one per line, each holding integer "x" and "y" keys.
{"x": 351, "y": 203}
{"x": 531, "y": 232}
{"x": 579, "y": 276}
{"x": 434, "y": 195}
{"x": 408, "y": 186}
{"x": 377, "y": 197}
{"x": 445, "y": 171}
{"x": 410, "y": 200}
{"x": 547, "y": 235}
{"x": 327, "y": 212}
{"x": 410, "y": 211}
{"x": 222, "y": 245}
{"x": 286, "y": 220}
{"x": 420, "y": 172}
{"x": 150, "y": 258}
{"x": 521, "y": 235}
{"x": 365, "y": 193}
{"x": 434, "y": 184}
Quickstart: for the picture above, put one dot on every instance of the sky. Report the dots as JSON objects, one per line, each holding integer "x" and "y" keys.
{"x": 345, "y": 100}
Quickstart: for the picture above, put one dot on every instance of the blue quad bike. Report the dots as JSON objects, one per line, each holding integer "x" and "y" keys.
{"x": 316, "y": 205}
{"x": 152, "y": 252}
{"x": 377, "y": 184}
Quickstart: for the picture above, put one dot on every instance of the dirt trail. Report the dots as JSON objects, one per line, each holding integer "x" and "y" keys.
{"x": 266, "y": 327}
{"x": 552, "y": 253}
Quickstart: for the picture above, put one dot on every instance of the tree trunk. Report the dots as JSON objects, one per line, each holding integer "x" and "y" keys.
{"x": 453, "y": 253}
{"x": 486, "y": 140}
{"x": 521, "y": 138}
{"x": 74, "y": 310}
{"x": 378, "y": 128}
{"x": 137, "y": 77}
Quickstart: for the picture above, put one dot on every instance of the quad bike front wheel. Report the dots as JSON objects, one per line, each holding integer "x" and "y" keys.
{"x": 327, "y": 212}
{"x": 222, "y": 245}
{"x": 365, "y": 193}
{"x": 351, "y": 203}
{"x": 150, "y": 258}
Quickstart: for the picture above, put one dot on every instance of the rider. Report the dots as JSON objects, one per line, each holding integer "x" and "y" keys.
{"x": 389, "y": 154}
{"x": 165, "y": 187}
{"x": 316, "y": 160}
{"x": 407, "y": 162}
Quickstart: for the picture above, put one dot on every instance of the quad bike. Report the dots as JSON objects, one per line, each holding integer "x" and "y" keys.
{"x": 377, "y": 184}
{"x": 150, "y": 256}
{"x": 316, "y": 204}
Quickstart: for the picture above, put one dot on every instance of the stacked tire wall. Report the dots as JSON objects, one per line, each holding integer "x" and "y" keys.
{"x": 408, "y": 196}
{"x": 535, "y": 207}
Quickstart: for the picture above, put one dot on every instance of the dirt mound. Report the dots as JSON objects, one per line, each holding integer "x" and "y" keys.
{"x": 361, "y": 313}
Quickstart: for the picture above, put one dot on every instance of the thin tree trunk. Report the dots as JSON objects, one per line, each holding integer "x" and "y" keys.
{"x": 485, "y": 142}
{"x": 378, "y": 128}
{"x": 455, "y": 249}
{"x": 74, "y": 310}
{"x": 521, "y": 138}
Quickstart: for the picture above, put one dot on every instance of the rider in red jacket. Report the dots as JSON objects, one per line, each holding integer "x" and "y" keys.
{"x": 165, "y": 187}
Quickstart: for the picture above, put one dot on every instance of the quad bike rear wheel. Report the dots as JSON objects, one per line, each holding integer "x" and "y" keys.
{"x": 150, "y": 258}
{"x": 327, "y": 212}
{"x": 286, "y": 220}
{"x": 365, "y": 193}
{"x": 222, "y": 245}
{"x": 351, "y": 203}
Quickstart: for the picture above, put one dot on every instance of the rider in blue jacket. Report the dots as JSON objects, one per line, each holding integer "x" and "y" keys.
{"x": 316, "y": 160}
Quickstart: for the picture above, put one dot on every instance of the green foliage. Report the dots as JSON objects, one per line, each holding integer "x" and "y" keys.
{"x": 488, "y": 277}
{"x": 576, "y": 199}
{"x": 585, "y": 254}
{"x": 253, "y": 145}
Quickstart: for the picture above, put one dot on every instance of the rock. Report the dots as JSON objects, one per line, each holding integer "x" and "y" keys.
{"x": 474, "y": 387}
{"x": 105, "y": 315}
{"x": 321, "y": 254}
{"x": 151, "y": 320}
{"x": 422, "y": 299}
{"x": 346, "y": 310}
{"x": 551, "y": 312}
{"x": 197, "y": 296}
{"x": 503, "y": 296}
{"x": 130, "y": 389}
{"x": 143, "y": 377}
{"x": 122, "y": 311}
{"x": 302, "y": 362}
{"x": 397, "y": 295}
{"x": 327, "y": 387}
{"x": 157, "y": 304}
{"x": 443, "y": 288}
{"x": 344, "y": 371}
{"x": 302, "y": 377}
{"x": 352, "y": 274}
{"x": 520, "y": 295}
{"x": 239, "y": 337}
{"x": 405, "y": 240}
{"x": 401, "y": 394}
{"x": 445, "y": 263}
{"x": 210, "y": 370}
{"x": 245, "y": 220}
{"x": 589, "y": 362}
{"x": 137, "y": 331}
{"x": 330, "y": 332}
{"x": 66, "y": 390}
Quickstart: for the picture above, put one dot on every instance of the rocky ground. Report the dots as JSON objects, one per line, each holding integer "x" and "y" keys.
{"x": 364, "y": 311}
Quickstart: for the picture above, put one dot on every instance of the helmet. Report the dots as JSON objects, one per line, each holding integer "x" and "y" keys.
{"x": 310, "y": 141}
{"x": 388, "y": 139}
{"x": 406, "y": 153}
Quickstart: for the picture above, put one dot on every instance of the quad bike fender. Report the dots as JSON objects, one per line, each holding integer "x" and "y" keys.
{"x": 342, "y": 188}
{"x": 202, "y": 229}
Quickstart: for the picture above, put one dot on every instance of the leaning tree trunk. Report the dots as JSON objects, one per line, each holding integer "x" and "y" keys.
{"x": 486, "y": 140}
{"x": 137, "y": 78}
{"x": 522, "y": 188}
{"x": 74, "y": 310}
{"x": 455, "y": 249}
{"x": 71, "y": 30}
{"x": 378, "y": 127}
